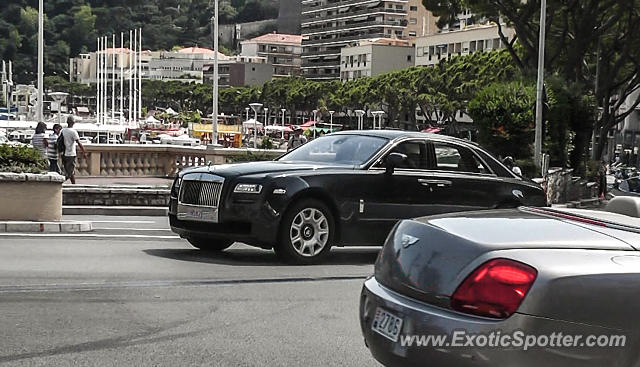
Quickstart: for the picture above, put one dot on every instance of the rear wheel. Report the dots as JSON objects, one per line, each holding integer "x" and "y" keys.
{"x": 210, "y": 244}
{"x": 307, "y": 233}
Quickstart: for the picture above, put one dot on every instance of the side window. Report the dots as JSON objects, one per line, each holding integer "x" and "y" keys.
{"x": 450, "y": 157}
{"x": 416, "y": 152}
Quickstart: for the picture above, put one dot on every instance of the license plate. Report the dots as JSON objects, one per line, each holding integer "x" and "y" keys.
{"x": 198, "y": 214}
{"x": 387, "y": 324}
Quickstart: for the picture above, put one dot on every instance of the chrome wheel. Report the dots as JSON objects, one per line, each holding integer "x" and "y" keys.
{"x": 309, "y": 232}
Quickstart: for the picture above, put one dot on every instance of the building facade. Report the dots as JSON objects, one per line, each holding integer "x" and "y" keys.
{"x": 330, "y": 25}
{"x": 375, "y": 57}
{"x": 240, "y": 71}
{"x": 83, "y": 69}
{"x": 431, "y": 49}
{"x": 283, "y": 51}
{"x": 185, "y": 65}
{"x": 420, "y": 21}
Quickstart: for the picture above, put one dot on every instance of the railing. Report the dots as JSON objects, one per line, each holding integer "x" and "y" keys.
{"x": 341, "y": 3}
{"x": 311, "y": 19}
{"x": 153, "y": 160}
{"x": 346, "y": 39}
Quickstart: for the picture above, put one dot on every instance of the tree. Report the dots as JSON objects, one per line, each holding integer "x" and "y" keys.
{"x": 504, "y": 115}
{"x": 592, "y": 44}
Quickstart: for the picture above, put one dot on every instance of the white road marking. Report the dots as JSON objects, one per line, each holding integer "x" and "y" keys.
{"x": 123, "y": 221}
{"x": 87, "y": 235}
{"x": 132, "y": 229}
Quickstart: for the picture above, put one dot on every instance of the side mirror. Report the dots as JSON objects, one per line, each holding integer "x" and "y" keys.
{"x": 394, "y": 160}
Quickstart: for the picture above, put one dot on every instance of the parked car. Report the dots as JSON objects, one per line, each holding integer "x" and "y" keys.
{"x": 532, "y": 271}
{"x": 344, "y": 189}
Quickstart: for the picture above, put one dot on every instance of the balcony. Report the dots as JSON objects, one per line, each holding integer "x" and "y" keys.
{"x": 339, "y": 40}
{"x": 374, "y": 23}
{"x": 307, "y": 20}
{"x": 338, "y": 4}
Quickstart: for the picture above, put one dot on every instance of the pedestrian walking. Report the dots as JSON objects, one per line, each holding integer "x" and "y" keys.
{"x": 52, "y": 148}
{"x": 70, "y": 139}
{"x": 297, "y": 139}
{"x": 38, "y": 140}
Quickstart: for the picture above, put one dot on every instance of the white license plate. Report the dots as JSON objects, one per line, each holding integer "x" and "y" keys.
{"x": 387, "y": 324}
{"x": 198, "y": 214}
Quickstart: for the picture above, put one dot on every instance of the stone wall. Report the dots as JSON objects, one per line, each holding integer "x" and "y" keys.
{"x": 115, "y": 196}
{"x": 31, "y": 197}
{"x": 137, "y": 160}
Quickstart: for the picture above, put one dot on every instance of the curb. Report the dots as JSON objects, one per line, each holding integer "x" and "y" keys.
{"x": 45, "y": 227}
{"x": 148, "y": 211}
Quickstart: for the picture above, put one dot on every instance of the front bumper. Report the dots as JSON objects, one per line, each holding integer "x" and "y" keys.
{"x": 423, "y": 319}
{"x": 251, "y": 222}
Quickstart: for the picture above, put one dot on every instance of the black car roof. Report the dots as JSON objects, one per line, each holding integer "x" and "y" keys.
{"x": 394, "y": 134}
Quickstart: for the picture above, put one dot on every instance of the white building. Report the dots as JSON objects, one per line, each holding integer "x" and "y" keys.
{"x": 185, "y": 65}
{"x": 375, "y": 57}
{"x": 283, "y": 51}
{"x": 431, "y": 49}
{"x": 83, "y": 69}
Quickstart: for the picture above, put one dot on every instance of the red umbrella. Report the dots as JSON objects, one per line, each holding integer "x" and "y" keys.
{"x": 432, "y": 130}
{"x": 308, "y": 123}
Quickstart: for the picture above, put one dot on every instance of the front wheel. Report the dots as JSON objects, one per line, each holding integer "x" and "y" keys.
{"x": 210, "y": 244}
{"x": 307, "y": 233}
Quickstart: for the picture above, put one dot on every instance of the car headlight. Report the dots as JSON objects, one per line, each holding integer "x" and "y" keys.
{"x": 248, "y": 189}
{"x": 176, "y": 187}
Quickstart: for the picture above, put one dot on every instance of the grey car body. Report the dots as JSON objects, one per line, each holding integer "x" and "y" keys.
{"x": 588, "y": 283}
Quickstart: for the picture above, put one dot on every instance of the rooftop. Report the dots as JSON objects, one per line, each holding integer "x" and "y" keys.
{"x": 289, "y": 39}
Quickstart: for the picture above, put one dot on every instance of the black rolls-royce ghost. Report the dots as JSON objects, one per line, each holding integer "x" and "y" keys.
{"x": 343, "y": 189}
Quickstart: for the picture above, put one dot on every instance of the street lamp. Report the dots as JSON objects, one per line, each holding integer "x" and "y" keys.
{"x": 331, "y": 121}
{"x": 40, "y": 108}
{"x": 315, "y": 122}
{"x": 377, "y": 114}
{"x": 215, "y": 74}
{"x": 540, "y": 87}
{"x": 284, "y": 114}
{"x": 265, "y": 116}
{"x": 246, "y": 112}
{"x": 255, "y": 107}
{"x": 360, "y": 113}
{"x": 59, "y": 97}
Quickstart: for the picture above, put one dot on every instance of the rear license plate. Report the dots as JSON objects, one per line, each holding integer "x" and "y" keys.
{"x": 198, "y": 214}
{"x": 387, "y": 324}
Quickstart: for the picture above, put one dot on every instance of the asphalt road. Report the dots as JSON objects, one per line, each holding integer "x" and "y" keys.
{"x": 131, "y": 293}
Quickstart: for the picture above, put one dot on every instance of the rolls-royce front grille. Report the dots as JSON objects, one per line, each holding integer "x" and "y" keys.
{"x": 202, "y": 193}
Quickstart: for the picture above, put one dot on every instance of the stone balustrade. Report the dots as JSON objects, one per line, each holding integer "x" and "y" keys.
{"x": 137, "y": 160}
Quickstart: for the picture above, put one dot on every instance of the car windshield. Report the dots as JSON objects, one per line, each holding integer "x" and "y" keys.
{"x": 352, "y": 150}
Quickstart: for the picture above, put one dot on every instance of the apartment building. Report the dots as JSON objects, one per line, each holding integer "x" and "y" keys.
{"x": 185, "y": 65}
{"x": 283, "y": 51}
{"x": 83, "y": 68}
{"x": 375, "y": 57}
{"x": 240, "y": 71}
{"x": 330, "y": 25}
{"x": 420, "y": 21}
{"x": 431, "y": 49}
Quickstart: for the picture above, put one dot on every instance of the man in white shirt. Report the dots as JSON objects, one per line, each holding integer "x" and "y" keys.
{"x": 71, "y": 138}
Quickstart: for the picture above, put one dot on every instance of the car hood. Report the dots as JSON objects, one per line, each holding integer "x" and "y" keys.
{"x": 254, "y": 168}
{"x": 521, "y": 228}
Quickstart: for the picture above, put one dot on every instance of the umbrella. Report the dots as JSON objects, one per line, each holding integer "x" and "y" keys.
{"x": 308, "y": 124}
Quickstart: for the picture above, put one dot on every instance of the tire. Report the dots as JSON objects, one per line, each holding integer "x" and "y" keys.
{"x": 210, "y": 244}
{"x": 306, "y": 233}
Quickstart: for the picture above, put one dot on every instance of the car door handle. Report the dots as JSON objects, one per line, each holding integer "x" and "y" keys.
{"x": 438, "y": 183}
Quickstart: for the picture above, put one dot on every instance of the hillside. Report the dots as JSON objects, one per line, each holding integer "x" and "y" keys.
{"x": 72, "y": 26}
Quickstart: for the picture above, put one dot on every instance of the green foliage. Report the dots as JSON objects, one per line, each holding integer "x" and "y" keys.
{"x": 504, "y": 115}
{"x": 250, "y": 157}
{"x": 72, "y": 26}
{"x": 266, "y": 143}
{"x": 21, "y": 159}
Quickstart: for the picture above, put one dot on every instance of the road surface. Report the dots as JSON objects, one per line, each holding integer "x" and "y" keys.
{"x": 132, "y": 293}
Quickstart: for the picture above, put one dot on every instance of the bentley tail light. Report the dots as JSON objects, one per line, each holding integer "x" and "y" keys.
{"x": 495, "y": 289}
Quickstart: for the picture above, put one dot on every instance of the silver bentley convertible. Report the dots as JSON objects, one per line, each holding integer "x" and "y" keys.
{"x": 517, "y": 287}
